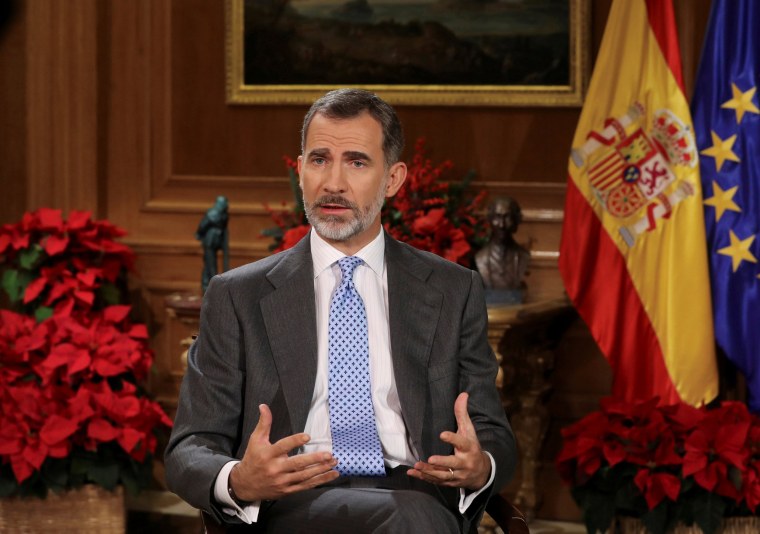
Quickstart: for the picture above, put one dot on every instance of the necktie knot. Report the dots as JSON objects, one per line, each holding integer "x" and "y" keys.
{"x": 347, "y": 266}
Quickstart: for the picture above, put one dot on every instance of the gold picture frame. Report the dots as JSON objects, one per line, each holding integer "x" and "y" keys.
{"x": 565, "y": 95}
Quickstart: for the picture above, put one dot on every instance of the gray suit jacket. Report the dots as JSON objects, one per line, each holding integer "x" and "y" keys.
{"x": 258, "y": 344}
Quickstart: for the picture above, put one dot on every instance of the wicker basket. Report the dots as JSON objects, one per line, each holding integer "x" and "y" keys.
{"x": 730, "y": 525}
{"x": 89, "y": 510}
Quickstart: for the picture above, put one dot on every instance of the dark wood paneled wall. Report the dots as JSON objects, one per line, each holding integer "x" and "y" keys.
{"x": 118, "y": 106}
{"x": 12, "y": 111}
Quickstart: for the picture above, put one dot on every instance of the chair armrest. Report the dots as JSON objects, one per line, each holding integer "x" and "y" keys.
{"x": 507, "y": 516}
{"x": 210, "y": 525}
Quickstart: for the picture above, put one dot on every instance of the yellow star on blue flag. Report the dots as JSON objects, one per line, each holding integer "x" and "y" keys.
{"x": 741, "y": 102}
{"x": 722, "y": 200}
{"x": 738, "y": 250}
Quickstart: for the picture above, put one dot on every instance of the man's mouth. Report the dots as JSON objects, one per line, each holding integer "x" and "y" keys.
{"x": 333, "y": 206}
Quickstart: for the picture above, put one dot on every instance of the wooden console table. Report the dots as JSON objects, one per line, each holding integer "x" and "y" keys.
{"x": 185, "y": 309}
{"x": 183, "y": 315}
{"x": 524, "y": 337}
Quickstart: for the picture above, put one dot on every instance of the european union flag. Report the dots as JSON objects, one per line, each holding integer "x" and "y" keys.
{"x": 727, "y": 127}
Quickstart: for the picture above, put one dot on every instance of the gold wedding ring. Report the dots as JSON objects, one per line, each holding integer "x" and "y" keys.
{"x": 451, "y": 474}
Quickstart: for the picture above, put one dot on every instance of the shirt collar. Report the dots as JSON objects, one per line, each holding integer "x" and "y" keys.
{"x": 325, "y": 255}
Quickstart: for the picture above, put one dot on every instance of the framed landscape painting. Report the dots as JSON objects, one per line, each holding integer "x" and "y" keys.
{"x": 416, "y": 52}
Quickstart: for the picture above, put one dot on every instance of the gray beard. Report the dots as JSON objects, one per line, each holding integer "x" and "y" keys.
{"x": 334, "y": 227}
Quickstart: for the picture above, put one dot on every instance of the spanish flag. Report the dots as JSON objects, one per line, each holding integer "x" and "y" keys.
{"x": 633, "y": 253}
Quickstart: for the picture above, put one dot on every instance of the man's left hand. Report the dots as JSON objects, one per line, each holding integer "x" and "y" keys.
{"x": 469, "y": 467}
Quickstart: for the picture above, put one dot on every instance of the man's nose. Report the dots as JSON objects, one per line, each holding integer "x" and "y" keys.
{"x": 335, "y": 181}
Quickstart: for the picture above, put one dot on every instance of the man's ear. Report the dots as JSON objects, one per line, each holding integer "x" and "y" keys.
{"x": 396, "y": 178}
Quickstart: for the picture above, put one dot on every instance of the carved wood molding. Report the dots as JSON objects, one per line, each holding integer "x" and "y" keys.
{"x": 229, "y": 181}
{"x": 187, "y": 206}
{"x": 145, "y": 246}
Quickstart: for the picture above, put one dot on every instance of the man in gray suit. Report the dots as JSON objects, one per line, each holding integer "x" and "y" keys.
{"x": 252, "y": 440}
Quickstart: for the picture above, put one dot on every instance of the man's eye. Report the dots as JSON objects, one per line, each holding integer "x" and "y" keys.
{"x": 358, "y": 164}
{"x": 319, "y": 161}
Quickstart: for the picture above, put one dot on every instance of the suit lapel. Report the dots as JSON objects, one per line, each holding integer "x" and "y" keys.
{"x": 414, "y": 308}
{"x": 291, "y": 323}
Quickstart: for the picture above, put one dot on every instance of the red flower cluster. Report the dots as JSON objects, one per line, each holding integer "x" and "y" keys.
{"x": 69, "y": 382}
{"x": 291, "y": 224}
{"x": 673, "y": 453}
{"x": 71, "y": 362}
{"x": 433, "y": 215}
{"x": 427, "y": 213}
{"x": 52, "y": 263}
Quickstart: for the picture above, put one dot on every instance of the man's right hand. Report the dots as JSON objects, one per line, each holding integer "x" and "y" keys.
{"x": 266, "y": 472}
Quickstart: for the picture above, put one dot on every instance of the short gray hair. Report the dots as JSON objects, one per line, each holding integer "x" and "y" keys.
{"x": 350, "y": 103}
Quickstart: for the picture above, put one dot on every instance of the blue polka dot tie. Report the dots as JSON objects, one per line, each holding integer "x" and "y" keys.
{"x": 356, "y": 444}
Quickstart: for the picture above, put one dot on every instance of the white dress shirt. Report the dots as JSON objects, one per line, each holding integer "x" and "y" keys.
{"x": 371, "y": 282}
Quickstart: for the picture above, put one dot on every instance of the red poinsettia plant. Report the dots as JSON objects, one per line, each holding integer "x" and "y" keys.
{"x": 663, "y": 464}
{"x": 72, "y": 363}
{"x": 428, "y": 212}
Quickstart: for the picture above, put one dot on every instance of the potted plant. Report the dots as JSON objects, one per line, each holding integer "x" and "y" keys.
{"x": 74, "y": 414}
{"x": 651, "y": 468}
{"x": 428, "y": 213}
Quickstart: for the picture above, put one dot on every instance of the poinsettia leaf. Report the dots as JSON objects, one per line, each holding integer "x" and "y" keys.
{"x": 145, "y": 471}
{"x": 50, "y": 218}
{"x": 101, "y": 430}
{"x": 56, "y": 244}
{"x": 656, "y": 520}
{"x": 34, "y": 487}
{"x": 87, "y": 297}
{"x": 34, "y": 289}
{"x": 138, "y": 331}
{"x": 7, "y": 482}
{"x": 78, "y": 219}
{"x": 116, "y": 314}
{"x": 735, "y": 476}
{"x": 81, "y": 464}
{"x": 110, "y": 294}
{"x": 598, "y": 511}
{"x": 56, "y": 429}
{"x": 275, "y": 232}
{"x": 468, "y": 178}
{"x": 28, "y": 257}
{"x": 104, "y": 473}
{"x": 129, "y": 481}
{"x": 42, "y": 313}
{"x": 55, "y": 473}
{"x": 708, "y": 511}
{"x": 14, "y": 283}
{"x": 685, "y": 512}
{"x": 687, "y": 484}
{"x": 629, "y": 499}
{"x": 136, "y": 475}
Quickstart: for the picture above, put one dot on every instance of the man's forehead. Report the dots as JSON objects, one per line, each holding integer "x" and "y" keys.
{"x": 362, "y": 131}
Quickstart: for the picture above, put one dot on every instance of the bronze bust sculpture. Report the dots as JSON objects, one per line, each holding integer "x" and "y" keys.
{"x": 503, "y": 263}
